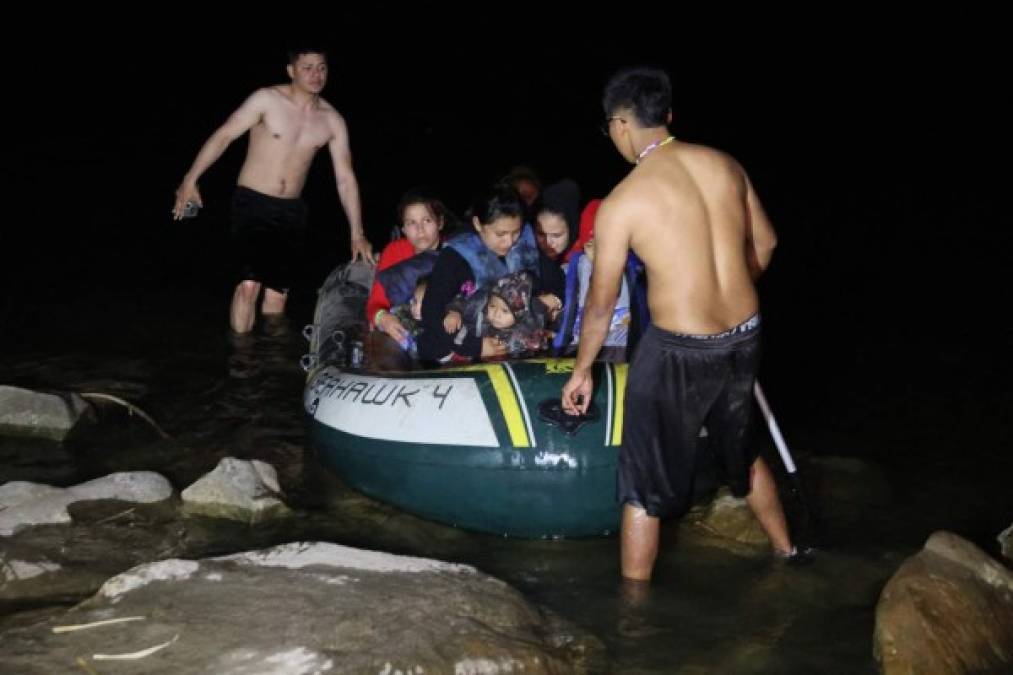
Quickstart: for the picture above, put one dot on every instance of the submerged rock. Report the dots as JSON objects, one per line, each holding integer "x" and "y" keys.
{"x": 730, "y": 522}
{"x": 948, "y": 609}
{"x": 306, "y": 608}
{"x": 24, "y": 412}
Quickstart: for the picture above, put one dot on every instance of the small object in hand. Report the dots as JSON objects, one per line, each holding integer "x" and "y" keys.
{"x": 190, "y": 210}
{"x": 580, "y": 399}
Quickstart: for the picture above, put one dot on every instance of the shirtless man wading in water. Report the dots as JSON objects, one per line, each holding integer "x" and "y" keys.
{"x": 288, "y": 124}
{"x": 690, "y": 213}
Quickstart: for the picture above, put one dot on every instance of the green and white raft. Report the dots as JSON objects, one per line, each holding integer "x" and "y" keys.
{"x": 479, "y": 447}
{"x": 483, "y": 447}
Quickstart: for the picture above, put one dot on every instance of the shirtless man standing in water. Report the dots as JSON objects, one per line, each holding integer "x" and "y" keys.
{"x": 690, "y": 213}
{"x": 287, "y": 123}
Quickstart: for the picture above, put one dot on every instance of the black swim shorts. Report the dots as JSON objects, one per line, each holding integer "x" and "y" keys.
{"x": 677, "y": 384}
{"x": 267, "y": 234}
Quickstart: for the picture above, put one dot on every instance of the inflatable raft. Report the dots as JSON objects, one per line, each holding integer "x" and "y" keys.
{"x": 483, "y": 447}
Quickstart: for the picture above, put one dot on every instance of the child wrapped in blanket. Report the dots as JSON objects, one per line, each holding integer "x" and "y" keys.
{"x": 504, "y": 311}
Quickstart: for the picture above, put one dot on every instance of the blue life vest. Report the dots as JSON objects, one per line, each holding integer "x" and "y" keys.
{"x": 486, "y": 266}
{"x": 399, "y": 280}
{"x": 570, "y": 320}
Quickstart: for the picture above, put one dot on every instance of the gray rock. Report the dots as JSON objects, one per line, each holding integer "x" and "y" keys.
{"x": 24, "y": 412}
{"x": 65, "y": 563}
{"x": 306, "y": 608}
{"x": 948, "y": 609}
{"x": 238, "y": 489}
{"x": 27, "y": 580}
{"x": 730, "y": 522}
{"x": 19, "y": 491}
{"x": 28, "y": 504}
{"x": 1006, "y": 543}
{"x": 13, "y": 570}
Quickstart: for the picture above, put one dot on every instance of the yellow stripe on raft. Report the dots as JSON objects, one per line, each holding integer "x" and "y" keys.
{"x": 508, "y": 403}
{"x": 621, "y": 370}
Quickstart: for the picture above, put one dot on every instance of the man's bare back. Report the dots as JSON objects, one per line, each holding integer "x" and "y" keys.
{"x": 690, "y": 215}
{"x": 285, "y": 139}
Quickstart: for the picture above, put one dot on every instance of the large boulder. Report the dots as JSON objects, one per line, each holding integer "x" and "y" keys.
{"x": 304, "y": 608}
{"x": 24, "y": 412}
{"x": 948, "y": 609}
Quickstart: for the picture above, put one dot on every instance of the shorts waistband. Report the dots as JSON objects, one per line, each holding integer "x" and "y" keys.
{"x": 732, "y": 336}
{"x": 254, "y": 194}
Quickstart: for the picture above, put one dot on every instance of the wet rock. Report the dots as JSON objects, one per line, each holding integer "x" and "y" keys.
{"x": 19, "y": 491}
{"x": 28, "y": 504}
{"x": 1006, "y": 543}
{"x": 50, "y": 564}
{"x": 24, "y": 412}
{"x": 948, "y": 609}
{"x": 305, "y": 608}
{"x": 19, "y": 573}
{"x": 237, "y": 489}
{"x": 41, "y": 581}
{"x": 730, "y": 522}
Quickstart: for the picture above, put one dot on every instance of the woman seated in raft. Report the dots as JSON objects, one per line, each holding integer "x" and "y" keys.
{"x": 557, "y": 216}
{"x": 505, "y": 312}
{"x": 500, "y": 244}
{"x": 403, "y": 261}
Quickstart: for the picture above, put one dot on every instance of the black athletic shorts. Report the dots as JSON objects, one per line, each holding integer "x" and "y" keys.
{"x": 267, "y": 234}
{"x": 677, "y": 384}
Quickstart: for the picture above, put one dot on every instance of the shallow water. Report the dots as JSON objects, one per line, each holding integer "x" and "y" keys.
{"x": 882, "y": 475}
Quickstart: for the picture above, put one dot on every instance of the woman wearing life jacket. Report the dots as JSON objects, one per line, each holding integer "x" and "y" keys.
{"x": 500, "y": 243}
{"x": 423, "y": 218}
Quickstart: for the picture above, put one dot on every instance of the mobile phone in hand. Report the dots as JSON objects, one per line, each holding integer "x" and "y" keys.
{"x": 190, "y": 210}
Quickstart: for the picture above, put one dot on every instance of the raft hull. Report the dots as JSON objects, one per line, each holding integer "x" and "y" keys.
{"x": 468, "y": 446}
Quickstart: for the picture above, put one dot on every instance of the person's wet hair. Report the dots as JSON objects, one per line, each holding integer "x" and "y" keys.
{"x": 295, "y": 51}
{"x": 643, "y": 90}
{"x": 500, "y": 200}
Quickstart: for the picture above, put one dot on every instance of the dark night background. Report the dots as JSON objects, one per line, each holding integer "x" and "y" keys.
{"x": 877, "y": 146}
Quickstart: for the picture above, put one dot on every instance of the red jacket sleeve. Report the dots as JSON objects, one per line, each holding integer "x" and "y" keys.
{"x": 586, "y": 229}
